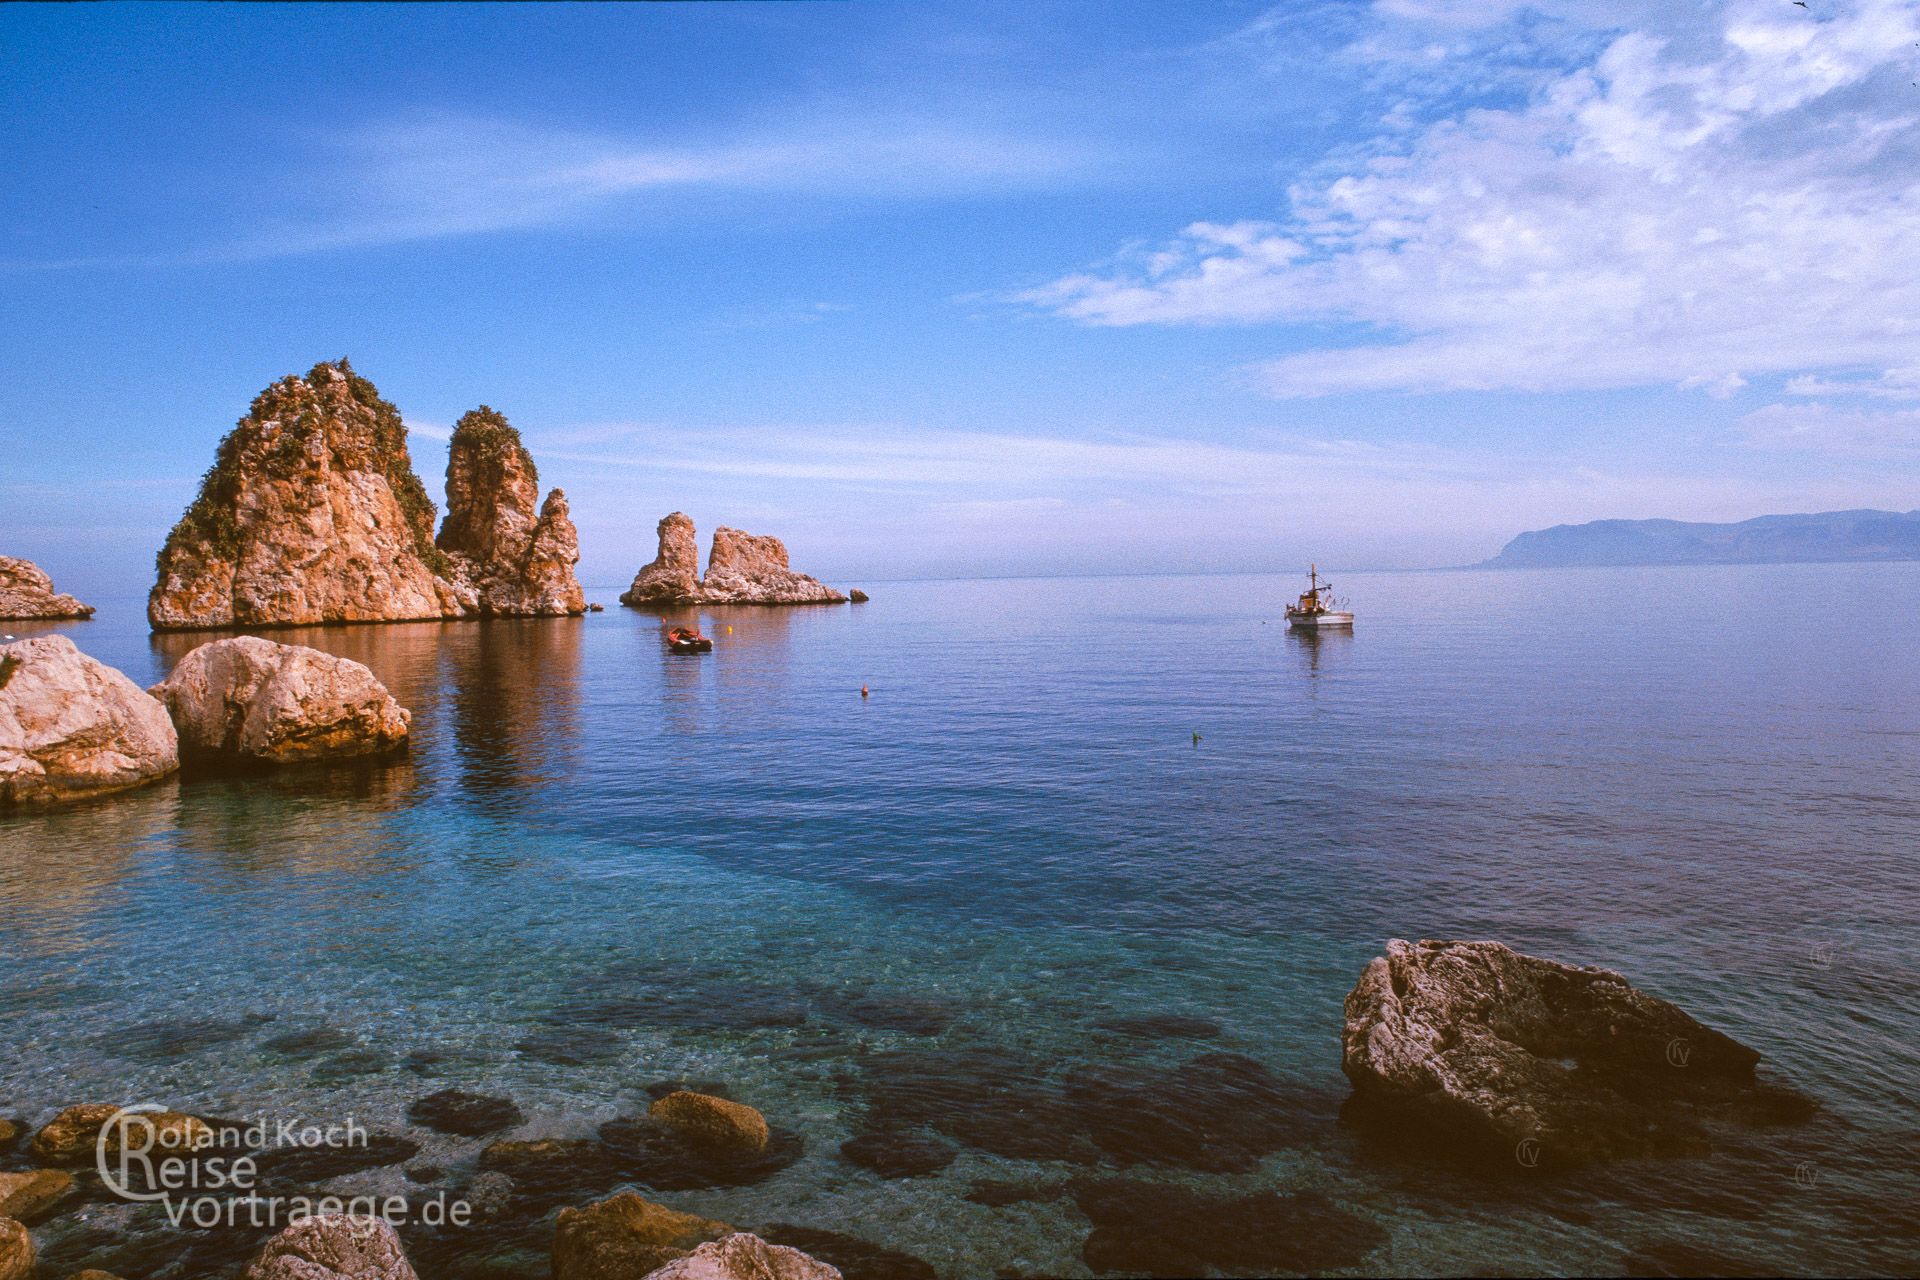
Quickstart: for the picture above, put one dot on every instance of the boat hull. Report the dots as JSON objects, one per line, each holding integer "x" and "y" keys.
{"x": 1330, "y": 621}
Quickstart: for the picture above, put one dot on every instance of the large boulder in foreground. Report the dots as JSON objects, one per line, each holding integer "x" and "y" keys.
{"x": 251, "y": 699}
{"x": 515, "y": 553}
{"x": 1545, "y": 1062}
{"x": 17, "y": 1253}
{"x": 310, "y": 514}
{"x": 333, "y": 1247}
{"x": 674, "y": 574}
{"x": 625, "y": 1236}
{"x": 26, "y": 592}
{"x": 71, "y": 727}
{"x": 744, "y": 1256}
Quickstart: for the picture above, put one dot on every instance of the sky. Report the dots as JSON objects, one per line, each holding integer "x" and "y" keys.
{"x": 980, "y": 290}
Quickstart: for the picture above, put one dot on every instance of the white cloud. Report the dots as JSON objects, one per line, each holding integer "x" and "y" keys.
{"x": 1697, "y": 210}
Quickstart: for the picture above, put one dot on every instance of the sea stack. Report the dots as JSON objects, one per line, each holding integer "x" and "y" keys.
{"x": 674, "y": 573}
{"x": 310, "y": 514}
{"x": 516, "y": 557}
{"x": 742, "y": 568}
{"x": 26, "y": 592}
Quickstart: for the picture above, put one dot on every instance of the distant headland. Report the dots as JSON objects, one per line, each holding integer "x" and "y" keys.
{"x": 1789, "y": 539}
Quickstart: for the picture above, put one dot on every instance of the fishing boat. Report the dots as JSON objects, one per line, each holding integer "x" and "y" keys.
{"x": 1315, "y": 609}
{"x": 687, "y": 640}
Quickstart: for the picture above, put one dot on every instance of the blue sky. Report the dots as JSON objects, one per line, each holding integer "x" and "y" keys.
{"x": 957, "y": 289}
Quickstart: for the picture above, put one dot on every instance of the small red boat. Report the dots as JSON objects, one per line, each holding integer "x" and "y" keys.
{"x": 687, "y": 640}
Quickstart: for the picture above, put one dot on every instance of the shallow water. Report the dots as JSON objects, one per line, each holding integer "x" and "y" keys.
{"x": 602, "y": 866}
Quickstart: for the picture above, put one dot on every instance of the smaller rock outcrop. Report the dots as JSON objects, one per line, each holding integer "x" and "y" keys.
{"x": 26, "y": 592}
{"x": 73, "y": 1136}
{"x": 625, "y": 1236}
{"x": 17, "y": 1254}
{"x": 742, "y": 568}
{"x": 1550, "y": 1063}
{"x": 674, "y": 573}
{"x": 713, "y": 1123}
{"x": 744, "y": 1256}
{"x": 333, "y": 1247}
{"x": 518, "y": 560}
{"x": 745, "y": 568}
{"x": 71, "y": 727}
{"x": 251, "y": 699}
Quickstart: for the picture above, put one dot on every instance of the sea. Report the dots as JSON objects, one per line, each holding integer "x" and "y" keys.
{"x": 886, "y": 866}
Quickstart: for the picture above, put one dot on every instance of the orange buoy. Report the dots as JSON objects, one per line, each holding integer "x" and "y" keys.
{"x": 863, "y": 691}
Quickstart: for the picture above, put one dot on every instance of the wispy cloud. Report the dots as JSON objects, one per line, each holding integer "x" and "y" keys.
{"x": 435, "y": 175}
{"x": 1689, "y": 211}
{"x": 1824, "y": 429}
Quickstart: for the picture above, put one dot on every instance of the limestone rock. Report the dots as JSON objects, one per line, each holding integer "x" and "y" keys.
{"x": 674, "y": 574}
{"x": 310, "y": 514}
{"x": 333, "y": 1247}
{"x": 17, "y": 1253}
{"x": 26, "y": 1195}
{"x": 27, "y": 592}
{"x": 73, "y": 1136}
{"x": 745, "y": 569}
{"x": 253, "y": 699}
{"x": 516, "y": 555}
{"x": 857, "y": 596}
{"x": 8, "y": 1132}
{"x": 1556, "y": 1063}
{"x": 625, "y": 1236}
{"x": 743, "y": 1256}
{"x": 713, "y": 1123}
{"x": 741, "y": 569}
{"x": 72, "y": 727}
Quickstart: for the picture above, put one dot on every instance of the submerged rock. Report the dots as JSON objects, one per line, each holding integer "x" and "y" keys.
{"x": 1170, "y": 1230}
{"x": 469, "y": 1115}
{"x": 517, "y": 560}
{"x": 624, "y": 1237}
{"x": 854, "y": 1258}
{"x": 1556, "y": 1063}
{"x": 71, "y": 727}
{"x": 26, "y": 592}
{"x": 743, "y": 1256}
{"x": 674, "y": 573}
{"x": 310, "y": 514}
{"x": 333, "y": 1247}
{"x": 251, "y": 699}
{"x": 741, "y": 569}
{"x": 893, "y": 1154}
{"x": 17, "y": 1253}
{"x": 713, "y": 1123}
{"x": 28, "y": 1195}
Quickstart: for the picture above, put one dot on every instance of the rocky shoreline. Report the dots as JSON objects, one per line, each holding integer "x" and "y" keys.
{"x": 1124, "y": 1142}
{"x": 742, "y": 568}
{"x": 27, "y": 594}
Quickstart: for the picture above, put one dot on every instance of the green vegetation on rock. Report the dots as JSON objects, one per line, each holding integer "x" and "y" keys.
{"x": 488, "y": 433}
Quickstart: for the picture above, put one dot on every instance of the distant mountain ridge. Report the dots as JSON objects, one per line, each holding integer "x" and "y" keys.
{"x": 1793, "y": 539}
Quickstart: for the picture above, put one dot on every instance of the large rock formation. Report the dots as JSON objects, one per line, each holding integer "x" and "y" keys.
{"x": 333, "y": 1247}
{"x": 311, "y": 513}
{"x": 1549, "y": 1063}
{"x": 71, "y": 727}
{"x": 674, "y": 574}
{"x": 744, "y": 1256}
{"x": 27, "y": 592}
{"x": 741, "y": 569}
{"x": 246, "y": 698}
{"x": 517, "y": 556}
{"x": 17, "y": 1253}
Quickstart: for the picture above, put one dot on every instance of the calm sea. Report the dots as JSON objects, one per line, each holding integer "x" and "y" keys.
{"x": 1706, "y": 778}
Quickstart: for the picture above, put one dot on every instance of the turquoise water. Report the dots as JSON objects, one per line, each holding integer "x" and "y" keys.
{"x": 602, "y": 866}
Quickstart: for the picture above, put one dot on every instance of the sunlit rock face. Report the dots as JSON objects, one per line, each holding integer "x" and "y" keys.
{"x": 71, "y": 727}
{"x": 741, "y": 569}
{"x": 26, "y": 592}
{"x": 514, "y": 553}
{"x": 311, "y": 513}
{"x": 250, "y": 699}
{"x": 673, "y": 575}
